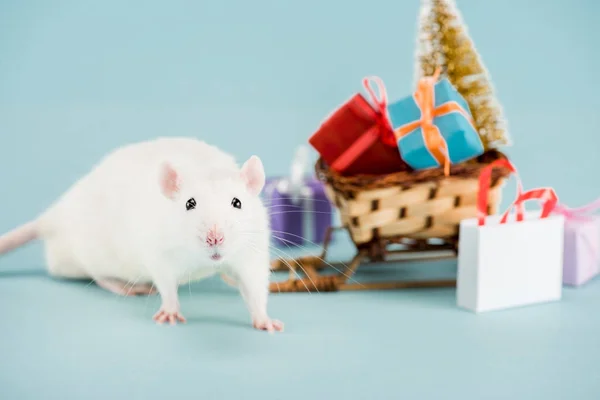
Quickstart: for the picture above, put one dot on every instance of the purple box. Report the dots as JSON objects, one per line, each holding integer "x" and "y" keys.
{"x": 300, "y": 213}
{"x": 582, "y": 250}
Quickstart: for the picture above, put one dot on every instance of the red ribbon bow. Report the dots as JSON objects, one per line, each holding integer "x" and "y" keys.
{"x": 382, "y": 130}
{"x": 386, "y": 135}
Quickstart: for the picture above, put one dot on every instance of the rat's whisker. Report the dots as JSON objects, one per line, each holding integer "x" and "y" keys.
{"x": 299, "y": 212}
{"x": 287, "y": 241}
{"x": 318, "y": 257}
{"x": 298, "y": 275}
{"x": 291, "y": 269}
{"x": 296, "y": 261}
{"x": 278, "y": 287}
{"x": 283, "y": 205}
{"x": 268, "y": 202}
{"x": 147, "y": 297}
{"x": 132, "y": 285}
{"x": 90, "y": 283}
{"x": 299, "y": 265}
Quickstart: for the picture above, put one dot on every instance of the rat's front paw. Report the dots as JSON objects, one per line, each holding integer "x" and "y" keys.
{"x": 168, "y": 315}
{"x": 267, "y": 324}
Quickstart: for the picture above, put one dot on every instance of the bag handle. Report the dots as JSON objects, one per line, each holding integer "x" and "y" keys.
{"x": 485, "y": 178}
{"x": 547, "y": 196}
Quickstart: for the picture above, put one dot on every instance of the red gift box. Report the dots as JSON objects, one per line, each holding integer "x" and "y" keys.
{"x": 358, "y": 138}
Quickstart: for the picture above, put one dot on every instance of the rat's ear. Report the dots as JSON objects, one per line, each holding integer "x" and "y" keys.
{"x": 253, "y": 174}
{"x": 169, "y": 181}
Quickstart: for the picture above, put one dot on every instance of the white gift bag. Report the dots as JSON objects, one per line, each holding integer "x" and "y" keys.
{"x": 504, "y": 264}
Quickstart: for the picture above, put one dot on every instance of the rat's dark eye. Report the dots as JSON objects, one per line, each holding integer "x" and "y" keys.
{"x": 191, "y": 203}
{"x": 236, "y": 203}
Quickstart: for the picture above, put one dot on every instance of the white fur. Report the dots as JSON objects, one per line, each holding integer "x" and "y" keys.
{"x": 117, "y": 223}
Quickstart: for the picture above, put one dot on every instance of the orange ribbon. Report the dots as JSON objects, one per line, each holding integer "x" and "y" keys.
{"x": 434, "y": 141}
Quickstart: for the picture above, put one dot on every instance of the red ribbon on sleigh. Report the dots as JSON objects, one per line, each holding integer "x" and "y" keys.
{"x": 545, "y": 195}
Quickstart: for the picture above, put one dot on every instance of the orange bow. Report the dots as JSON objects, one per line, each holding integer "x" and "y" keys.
{"x": 434, "y": 141}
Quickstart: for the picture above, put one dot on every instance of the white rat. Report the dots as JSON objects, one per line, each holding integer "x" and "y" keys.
{"x": 157, "y": 214}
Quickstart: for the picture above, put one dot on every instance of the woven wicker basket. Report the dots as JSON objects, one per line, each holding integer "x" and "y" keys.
{"x": 416, "y": 205}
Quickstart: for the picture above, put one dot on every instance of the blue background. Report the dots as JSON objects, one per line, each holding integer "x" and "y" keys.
{"x": 79, "y": 78}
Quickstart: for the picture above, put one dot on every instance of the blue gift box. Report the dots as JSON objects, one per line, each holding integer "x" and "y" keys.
{"x": 463, "y": 141}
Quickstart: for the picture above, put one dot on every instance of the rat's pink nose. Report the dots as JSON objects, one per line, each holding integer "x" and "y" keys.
{"x": 214, "y": 237}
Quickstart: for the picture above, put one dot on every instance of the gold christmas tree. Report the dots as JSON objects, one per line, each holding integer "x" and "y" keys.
{"x": 443, "y": 41}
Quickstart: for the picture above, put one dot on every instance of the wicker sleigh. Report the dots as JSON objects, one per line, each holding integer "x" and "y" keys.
{"x": 419, "y": 210}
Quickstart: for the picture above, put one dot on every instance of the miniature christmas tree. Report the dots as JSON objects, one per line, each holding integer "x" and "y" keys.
{"x": 443, "y": 41}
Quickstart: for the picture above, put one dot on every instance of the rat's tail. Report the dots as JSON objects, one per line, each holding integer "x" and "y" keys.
{"x": 18, "y": 237}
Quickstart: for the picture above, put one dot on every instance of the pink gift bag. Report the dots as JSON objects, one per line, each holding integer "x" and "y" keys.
{"x": 582, "y": 243}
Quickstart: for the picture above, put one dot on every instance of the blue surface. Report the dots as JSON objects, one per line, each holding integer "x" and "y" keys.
{"x": 462, "y": 139}
{"x": 78, "y": 78}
